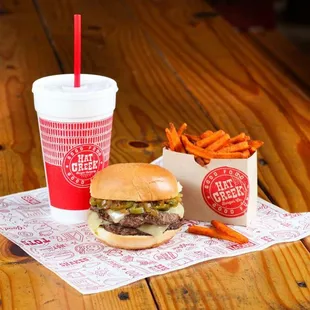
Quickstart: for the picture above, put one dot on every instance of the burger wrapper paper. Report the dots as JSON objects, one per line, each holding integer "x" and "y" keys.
{"x": 74, "y": 254}
{"x": 224, "y": 190}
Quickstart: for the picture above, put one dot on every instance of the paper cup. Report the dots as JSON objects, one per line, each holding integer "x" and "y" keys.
{"x": 75, "y": 128}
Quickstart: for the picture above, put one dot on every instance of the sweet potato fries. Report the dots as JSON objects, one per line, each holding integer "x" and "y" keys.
{"x": 219, "y": 231}
{"x": 210, "y": 144}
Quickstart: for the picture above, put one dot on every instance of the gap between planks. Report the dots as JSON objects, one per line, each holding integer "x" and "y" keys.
{"x": 48, "y": 35}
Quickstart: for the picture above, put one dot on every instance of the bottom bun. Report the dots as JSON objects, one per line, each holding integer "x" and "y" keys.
{"x": 133, "y": 242}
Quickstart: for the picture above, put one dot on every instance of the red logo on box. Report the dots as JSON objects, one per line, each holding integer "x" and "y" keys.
{"x": 226, "y": 191}
{"x": 81, "y": 163}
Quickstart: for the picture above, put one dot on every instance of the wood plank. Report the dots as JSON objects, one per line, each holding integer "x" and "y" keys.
{"x": 270, "y": 279}
{"x": 240, "y": 90}
{"x": 11, "y": 253}
{"x": 288, "y": 59}
{"x": 285, "y": 56}
{"x": 21, "y": 63}
{"x": 32, "y": 286}
{"x": 26, "y": 55}
{"x": 306, "y": 243}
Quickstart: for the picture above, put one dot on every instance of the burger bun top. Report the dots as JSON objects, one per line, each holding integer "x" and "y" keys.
{"x": 134, "y": 182}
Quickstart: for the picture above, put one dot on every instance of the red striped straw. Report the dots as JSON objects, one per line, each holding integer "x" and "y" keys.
{"x": 77, "y": 50}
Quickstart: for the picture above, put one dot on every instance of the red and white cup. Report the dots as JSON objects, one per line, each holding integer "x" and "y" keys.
{"x": 75, "y": 128}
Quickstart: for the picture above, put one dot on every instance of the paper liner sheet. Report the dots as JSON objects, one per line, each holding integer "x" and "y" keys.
{"x": 74, "y": 254}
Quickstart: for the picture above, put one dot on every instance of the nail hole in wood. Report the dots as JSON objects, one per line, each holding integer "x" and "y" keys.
{"x": 184, "y": 291}
{"x": 4, "y": 12}
{"x": 203, "y": 15}
{"x": 262, "y": 162}
{"x": 10, "y": 67}
{"x": 93, "y": 27}
{"x": 302, "y": 284}
{"x": 138, "y": 144}
{"x": 123, "y": 296}
{"x": 1, "y": 147}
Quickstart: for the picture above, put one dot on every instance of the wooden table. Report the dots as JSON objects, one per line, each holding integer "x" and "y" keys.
{"x": 173, "y": 61}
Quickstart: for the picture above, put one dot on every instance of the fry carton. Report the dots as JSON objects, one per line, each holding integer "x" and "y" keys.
{"x": 224, "y": 190}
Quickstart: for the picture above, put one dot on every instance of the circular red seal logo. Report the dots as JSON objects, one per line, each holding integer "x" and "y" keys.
{"x": 226, "y": 191}
{"x": 81, "y": 163}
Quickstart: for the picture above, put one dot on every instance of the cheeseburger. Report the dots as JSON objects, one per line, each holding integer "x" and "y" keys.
{"x": 135, "y": 206}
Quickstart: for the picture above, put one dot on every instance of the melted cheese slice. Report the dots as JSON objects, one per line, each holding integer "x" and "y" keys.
{"x": 180, "y": 187}
{"x": 116, "y": 216}
{"x": 94, "y": 221}
{"x": 159, "y": 230}
{"x": 153, "y": 229}
{"x": 179, "y": 210}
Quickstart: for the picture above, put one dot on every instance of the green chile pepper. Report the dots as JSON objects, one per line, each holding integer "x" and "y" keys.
{"x": 152, "y": 207}
{"x": 163, "y": 207}
{"x": 93, "y": 201}
{"x": 150, "y": 210}
{"x": 136, "y": 210}
{"x": 126, "y": 205}
{"x": 154, "y": 212}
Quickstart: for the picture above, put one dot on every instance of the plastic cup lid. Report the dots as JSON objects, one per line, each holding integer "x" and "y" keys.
{"x": 61, "y": 86}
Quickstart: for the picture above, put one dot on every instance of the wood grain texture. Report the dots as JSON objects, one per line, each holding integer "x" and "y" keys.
{"x": 240, "y": 89}
{"x": 11, "y": 253}
{"x": 32, "y": 286}
{"x": 24, "y": 52}
{"x": 285, "y": 56}
{"x": 306, "y": 242}
{"x": 270, "y": 279}
{"x": 289, "y": 60}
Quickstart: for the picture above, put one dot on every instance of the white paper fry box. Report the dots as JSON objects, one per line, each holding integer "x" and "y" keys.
{"x": 224, "y": 190}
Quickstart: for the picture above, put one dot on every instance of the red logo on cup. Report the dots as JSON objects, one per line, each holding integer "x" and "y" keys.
{"x": 226, "y": 191}
{"x": 81, "y": 163}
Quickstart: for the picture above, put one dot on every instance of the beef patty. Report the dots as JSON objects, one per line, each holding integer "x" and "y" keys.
{"x": 136, "y": 220}
{"x": 128, "y": 225}
{"x": 125, "y": 231}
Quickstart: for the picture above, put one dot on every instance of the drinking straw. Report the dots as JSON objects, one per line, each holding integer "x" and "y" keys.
{"x": 77, "y": 50}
